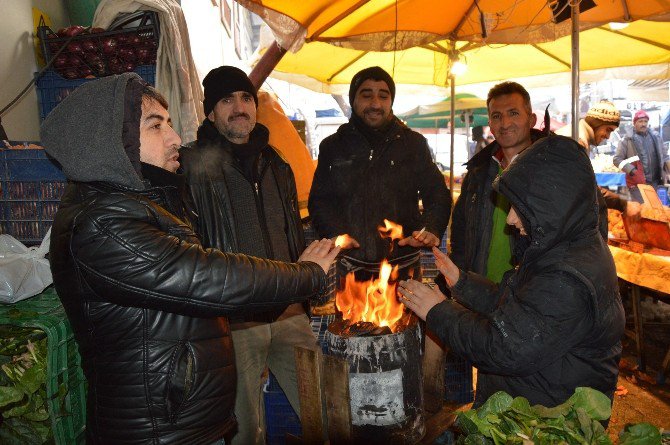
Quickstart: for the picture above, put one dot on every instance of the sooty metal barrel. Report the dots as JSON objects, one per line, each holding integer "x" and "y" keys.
{"x": 385, "y": 384}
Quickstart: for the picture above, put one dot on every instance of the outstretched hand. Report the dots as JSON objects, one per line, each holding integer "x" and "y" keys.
{"x": 322, "y": 252}
{"x": 444, "y": 264}
{"x": 420, "y": 238}
{"x": 418, "y": 297}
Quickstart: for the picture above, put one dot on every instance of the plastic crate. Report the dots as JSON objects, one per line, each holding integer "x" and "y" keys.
{"x": 32, "y": 186}
{"x": 130, "y": 41}
{"x": 320, "y": 326}
{"x": 458, "y": 379}
{"x": 52, "y": 88}
{"x": 280, "y": 418}
{"x": 68, "y": 414}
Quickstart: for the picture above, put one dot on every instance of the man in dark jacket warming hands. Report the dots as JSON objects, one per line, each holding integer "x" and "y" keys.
{"x": 146, "y": 301}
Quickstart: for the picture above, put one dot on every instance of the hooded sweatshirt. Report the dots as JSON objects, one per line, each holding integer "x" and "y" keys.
{"x": 85, "y": 132}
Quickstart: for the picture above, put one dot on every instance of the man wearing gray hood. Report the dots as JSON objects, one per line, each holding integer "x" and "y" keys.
{"x": 145, "y": 300}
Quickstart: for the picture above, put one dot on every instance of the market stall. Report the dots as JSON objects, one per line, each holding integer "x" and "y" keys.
{"x": 640, "y": 246}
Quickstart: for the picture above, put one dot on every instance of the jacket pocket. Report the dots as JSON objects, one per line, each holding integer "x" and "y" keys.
{"x": 180, "y": 380}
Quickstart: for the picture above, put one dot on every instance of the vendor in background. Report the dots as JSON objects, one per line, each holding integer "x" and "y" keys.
{"x": 554, "y": 323}
{"x": 480, "y": 139}
{"x": 642, "y": 155}
{"x": 147, "y": 303}
{"x": 600, "y": 121}
{"x": 375, "y": 168}
{"x": 596, "y": 127}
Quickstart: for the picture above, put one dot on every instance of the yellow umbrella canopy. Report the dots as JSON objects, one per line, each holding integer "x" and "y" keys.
{"x": 327, "y": 68}
{"x": 387, "y": 25}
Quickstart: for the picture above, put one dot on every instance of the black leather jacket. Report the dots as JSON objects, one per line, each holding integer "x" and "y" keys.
{"x": 208, "y": 162}
{"x": 145, "y": 301}
{"x": 355, "y": 188}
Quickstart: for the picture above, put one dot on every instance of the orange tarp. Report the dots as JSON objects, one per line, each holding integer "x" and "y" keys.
{"x": 285, "y": 138}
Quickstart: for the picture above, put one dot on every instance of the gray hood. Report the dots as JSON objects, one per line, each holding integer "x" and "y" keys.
{"x": 84, "y": 133}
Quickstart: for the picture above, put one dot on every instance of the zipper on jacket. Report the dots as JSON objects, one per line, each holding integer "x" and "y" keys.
{"x": 372, "y": 151}
{"x": 261, "y": 213}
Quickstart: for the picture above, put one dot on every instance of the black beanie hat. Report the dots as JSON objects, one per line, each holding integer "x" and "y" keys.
{"x": 374, "y": 73}
{"x": 223, "y": 81}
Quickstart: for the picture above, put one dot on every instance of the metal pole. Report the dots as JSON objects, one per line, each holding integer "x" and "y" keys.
{"x": 452, "y": 124}
{"x": 266, "y": 64}
{"x": 575, "y": 68}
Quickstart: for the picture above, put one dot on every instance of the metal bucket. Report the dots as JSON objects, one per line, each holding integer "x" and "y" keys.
{"x": 385, "y": 385}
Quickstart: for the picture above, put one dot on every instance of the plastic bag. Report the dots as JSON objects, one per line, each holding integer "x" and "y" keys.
{"x": 24, "y": 271}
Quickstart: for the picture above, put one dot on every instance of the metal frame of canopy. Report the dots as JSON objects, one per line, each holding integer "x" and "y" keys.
{"x": 272, "y": 56}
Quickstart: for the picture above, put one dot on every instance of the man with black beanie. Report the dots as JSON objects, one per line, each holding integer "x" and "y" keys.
{"x": 375, "y": 168}
{"x": 245, "y": 196}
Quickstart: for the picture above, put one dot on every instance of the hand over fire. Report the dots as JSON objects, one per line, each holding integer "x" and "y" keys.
{"x": 418, "y": 297}
{"x": 420, "y": 238}
{"x": 321, "y": 252}
{"x": 345, "y": 242}
{"x": 450, "y": 271}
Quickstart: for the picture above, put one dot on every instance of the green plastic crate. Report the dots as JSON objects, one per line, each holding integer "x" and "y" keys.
{"x": 44, "y": 311}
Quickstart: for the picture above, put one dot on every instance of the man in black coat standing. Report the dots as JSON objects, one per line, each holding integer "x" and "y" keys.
{"x": 244, "y": 193}
{"x": 375, "y": 168}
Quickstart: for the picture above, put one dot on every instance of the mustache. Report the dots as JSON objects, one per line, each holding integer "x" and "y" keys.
{"x": 373, "y": 110}
{"x": 235, "y": 116}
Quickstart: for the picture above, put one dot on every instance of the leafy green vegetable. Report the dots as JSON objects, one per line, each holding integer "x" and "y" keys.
{"x": 24, "y": 417}
{"x": 640, "y": 434}
{"x": 503, "y": 420}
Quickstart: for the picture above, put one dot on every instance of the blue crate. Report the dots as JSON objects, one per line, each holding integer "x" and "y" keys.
{"x": 320, "y": 326}
{"x": 272, "y": 384}
{"x": 52, "y": 88}
{"x": 32, "y": 186}
{"x": 280, "y": 418}
{"x": 458, "y": 379}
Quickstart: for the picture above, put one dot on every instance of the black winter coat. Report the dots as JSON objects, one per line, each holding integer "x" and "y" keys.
{"x": 472, "y": 221}
{"x": 554, "y": 323}
{"x": 355, "y": 188}
{"x": 209, "y": 162}
{"x": 144, "y": 298}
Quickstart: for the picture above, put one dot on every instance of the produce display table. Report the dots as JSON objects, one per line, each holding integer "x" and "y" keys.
{"x": 650, "y": 271}
{"x": 607, "y": 179}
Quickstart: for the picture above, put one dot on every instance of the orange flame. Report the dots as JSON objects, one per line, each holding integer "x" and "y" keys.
{"x": 390, "y": 230}
{"x": 373, "y": 301}
{"x": 342, "y": 240}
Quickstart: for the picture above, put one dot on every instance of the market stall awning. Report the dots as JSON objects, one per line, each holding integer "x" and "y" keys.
{"x": 389, "y": 25}
{"x": 327, "y": 68}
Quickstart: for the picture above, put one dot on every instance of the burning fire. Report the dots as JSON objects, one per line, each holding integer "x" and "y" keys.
{"x": 342, "y": 240}
{"x": 373, "y": 301}
{"x": 390, "y": 230}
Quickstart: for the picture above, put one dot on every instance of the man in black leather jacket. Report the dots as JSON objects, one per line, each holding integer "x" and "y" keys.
{"x": 245, "y": 196}
{"x": 375, "y": 168}
{"x": 146, "y": 301}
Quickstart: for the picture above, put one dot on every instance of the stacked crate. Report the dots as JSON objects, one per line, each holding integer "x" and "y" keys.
{"x": 31, "y": 188}
{"x": 65, "y": 384}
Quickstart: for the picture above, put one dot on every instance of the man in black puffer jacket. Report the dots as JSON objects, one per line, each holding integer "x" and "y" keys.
{"x": 375, "y": 168}
{"x": 145, "y": 300}
{"x": 554, "y": 323}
